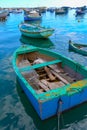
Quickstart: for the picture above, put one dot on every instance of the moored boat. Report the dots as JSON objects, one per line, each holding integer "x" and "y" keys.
{"x": 79, "y": 48}
{"x": 35, "y": 31}
{"x": 50, "y": 80}
{"x": 3, "y": 14}
{"x": 79, "y": 12}
{"x": 32, "y": 16}
{"x": 60, "y": 11}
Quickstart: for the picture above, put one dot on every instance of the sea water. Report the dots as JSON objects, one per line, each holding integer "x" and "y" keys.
{"x": 16, "y": 112}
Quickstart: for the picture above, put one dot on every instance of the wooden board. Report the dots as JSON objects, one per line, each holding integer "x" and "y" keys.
{"x": 24, "y": 63}
{"x": 50, "y": 75}
{"x": 55, "y": 68}
{"x": 43, "y": 86}
{"x": 52, "y": 85}
{"x": 39, "y": 91}
{"x": 59, "y": 77}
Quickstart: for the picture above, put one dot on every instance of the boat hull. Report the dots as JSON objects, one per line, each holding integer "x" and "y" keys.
{"x": 37, "y": 34}
{"x": 74, "y": 47}
{"x": 27, "y": 18}
{"x": 48, "y": 104}
{"x": 44, "y": 108}
{"x": 35, "y": 31}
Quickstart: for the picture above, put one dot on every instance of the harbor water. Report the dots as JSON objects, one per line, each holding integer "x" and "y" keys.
{"x": 16, "y": 112}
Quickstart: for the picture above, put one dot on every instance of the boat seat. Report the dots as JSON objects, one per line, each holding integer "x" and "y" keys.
{"x": 47, "y": 63}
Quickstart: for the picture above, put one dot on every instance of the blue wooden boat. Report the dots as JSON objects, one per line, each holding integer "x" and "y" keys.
{"x": 32, "y": 16}
{"x": 79, "y": 48}
{"x": 79, "y": 12}
{"x": 52, "y": 82}
{"x": 35, "y": 31}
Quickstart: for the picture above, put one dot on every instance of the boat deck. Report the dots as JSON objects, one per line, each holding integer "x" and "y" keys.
{"x": 45, "y": 76}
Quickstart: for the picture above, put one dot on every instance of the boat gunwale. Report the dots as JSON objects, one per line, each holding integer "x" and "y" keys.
{"x": 49, "y": 94}
{"x": 74, "y": 46}
{"x": 39, "y": 31}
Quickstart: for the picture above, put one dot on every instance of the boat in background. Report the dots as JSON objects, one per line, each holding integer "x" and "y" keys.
{"x": 79, "y": 48}
{"x": 79, "y": 12}
{"x": 16, "y": 11}
{"x": 3, "y": 14}
{"x": 60, "y": 11}
{"x": 32, "y": 16}
{"x": 35, "y": 31}
{"x": 53, "y": 83}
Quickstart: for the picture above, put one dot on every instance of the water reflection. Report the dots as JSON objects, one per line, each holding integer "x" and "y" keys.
{"x": 34, "y": 22}
{"x": 44, "y": 43}
{"x": 79, "y": 18}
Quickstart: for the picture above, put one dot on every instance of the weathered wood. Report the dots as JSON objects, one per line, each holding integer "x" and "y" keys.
{"x": 43, "y": 86}
{"x": 53, "y": 85}
{"x": 59, "y": 77}
{"x": 24, "y": 63}
{"x": 50, "y": 75}
{"x": 42, "y": 75}
{"x": 39, "y": 91}
{"x": 55, "y": 68}
{"x": 45, "y": 82}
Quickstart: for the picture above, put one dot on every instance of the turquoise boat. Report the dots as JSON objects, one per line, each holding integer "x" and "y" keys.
{"x": 79, "y": 48}
{"x": 52, "y": 82}
{"x": 35, "y": 31}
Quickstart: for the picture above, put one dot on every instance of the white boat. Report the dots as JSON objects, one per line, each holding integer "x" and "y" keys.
{"x": 3, "y": 14}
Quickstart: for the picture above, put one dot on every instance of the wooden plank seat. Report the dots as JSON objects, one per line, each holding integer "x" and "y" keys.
{"x": 40, "y": 65}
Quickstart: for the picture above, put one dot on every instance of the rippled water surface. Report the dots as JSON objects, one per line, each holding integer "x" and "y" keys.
{"x": 16, "y": 112}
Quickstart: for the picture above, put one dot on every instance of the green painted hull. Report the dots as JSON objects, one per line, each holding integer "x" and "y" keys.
{"x": 37, "y": 34}
{"x": 35, "y": 31}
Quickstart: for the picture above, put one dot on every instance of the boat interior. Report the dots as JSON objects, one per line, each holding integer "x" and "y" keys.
{"x": 46, "y": 72}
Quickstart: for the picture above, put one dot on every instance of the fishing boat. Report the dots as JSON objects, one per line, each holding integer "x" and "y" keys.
{"x": 60, "y": 11}
{"x": 79, "y": 12}
{"x": 52, "y": 82}
{"x": 3, "y": 14}
{"x": 32, "y": 16}
{"x": 35, "y": 31}
{"x": 79, "y": 48}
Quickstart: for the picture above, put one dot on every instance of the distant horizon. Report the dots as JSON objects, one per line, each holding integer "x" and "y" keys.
{"x": 43, "y": 6}
{"x": 41, "y": 3}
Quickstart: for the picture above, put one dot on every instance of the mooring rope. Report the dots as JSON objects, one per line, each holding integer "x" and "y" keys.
{"x": 59, "y": 112}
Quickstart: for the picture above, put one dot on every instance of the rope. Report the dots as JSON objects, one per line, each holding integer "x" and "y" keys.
{"x": 59, "y": 112}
